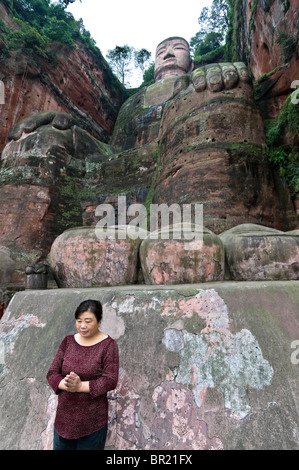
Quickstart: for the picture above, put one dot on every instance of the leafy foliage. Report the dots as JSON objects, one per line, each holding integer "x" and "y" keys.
{"x": 67, "y": 2}
{"x": 149, "y": 75}
{"x": 215, "y": 18}
{"x": 28, "y": 39}
{"x": 120, "y": 60}
{"x": 41, "y": 22}
{"x": 141, "y": 59}
{"x": 211, "y": 41}
{"x": 281, "y": 156}
{"x": 214, "y": 23}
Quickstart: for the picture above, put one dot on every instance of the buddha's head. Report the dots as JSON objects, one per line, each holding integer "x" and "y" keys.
{"x": 172, "y": 58}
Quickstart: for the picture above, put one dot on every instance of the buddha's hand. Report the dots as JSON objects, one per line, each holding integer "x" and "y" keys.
{"x": 222, "y": 76}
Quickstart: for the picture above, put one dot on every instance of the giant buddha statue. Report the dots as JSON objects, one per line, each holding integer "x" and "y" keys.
{"x": 209, "y": 140}
{"x": 194, "y": 136}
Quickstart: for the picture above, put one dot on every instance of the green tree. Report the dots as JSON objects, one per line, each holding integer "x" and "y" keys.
{"x": 67, "y": 2}
{"x": 210, "y": 42}
{"x": 141, "y": 59}
{"x": 149, "y": 75}
{"x": 120, "y": 59}
{"x": 58, "y": 30}
{"x": 215, "y": 18}
{"x": 213, "y": 25}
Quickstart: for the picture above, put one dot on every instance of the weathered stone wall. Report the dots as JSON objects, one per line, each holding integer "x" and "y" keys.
{"x": 266, "y": 38}
{"x": 207, "y": 366}
{"x": 80, "y": 83}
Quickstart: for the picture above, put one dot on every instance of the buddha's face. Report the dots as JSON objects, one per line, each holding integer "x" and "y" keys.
{"x": 172, "y": 58}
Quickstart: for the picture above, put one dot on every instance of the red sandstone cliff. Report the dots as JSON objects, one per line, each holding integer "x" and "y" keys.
{"x": 36, "y": 193}
{"x": 78, "y": 84}
{"x": 267, "y": 39}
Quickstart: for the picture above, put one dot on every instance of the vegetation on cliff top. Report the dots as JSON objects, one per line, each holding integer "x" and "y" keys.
{"x": 40, "y": 24}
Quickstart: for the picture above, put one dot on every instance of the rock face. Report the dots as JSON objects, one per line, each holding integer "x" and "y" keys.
{"x": 25, "y": 218}
{"x": 80, "y": 84}
{"x": 269, "y": 34}
{"x": 7, "y": 266}
{"x": 82, "y": 257}
{"x": 255, "y": 253}
{"x": 211, "y": 366}
{"x": 193, "y": 139}
{"x": 42, "y": 173}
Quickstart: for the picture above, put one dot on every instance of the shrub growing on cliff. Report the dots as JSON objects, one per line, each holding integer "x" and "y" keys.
{"x": 27, "y": 39}
{"x": 288, "y": 46}
{"x": 42, "y": 22}
{"x": 149, "y": 75}
{"x": 281, "y": 156}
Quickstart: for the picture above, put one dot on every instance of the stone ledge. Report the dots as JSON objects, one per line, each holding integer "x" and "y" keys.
{"x": 197, "y": 361}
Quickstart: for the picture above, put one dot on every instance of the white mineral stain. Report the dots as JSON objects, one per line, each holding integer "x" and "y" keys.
{"x": 217, "y": 358}
{"x": 9, "y": 333}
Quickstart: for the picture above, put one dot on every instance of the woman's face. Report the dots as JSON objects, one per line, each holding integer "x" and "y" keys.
{"x": 87, "y": 324}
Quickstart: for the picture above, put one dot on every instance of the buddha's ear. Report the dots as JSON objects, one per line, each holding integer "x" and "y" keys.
{"x": 191, "y": 68}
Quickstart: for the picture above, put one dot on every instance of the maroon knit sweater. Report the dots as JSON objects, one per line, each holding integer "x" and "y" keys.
{"x": 80, "y": 414}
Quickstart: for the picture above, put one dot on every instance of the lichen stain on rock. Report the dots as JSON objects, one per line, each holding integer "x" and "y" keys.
{"x": 217, "y": 358}
{"x": 126, "y": 306}
{"x": 111, "y": 323}
{"x": 176, "y": 423}
{"x": 9, "y": 333}
{"x": 173, "y": 339}
{"x": 11, "y": 329}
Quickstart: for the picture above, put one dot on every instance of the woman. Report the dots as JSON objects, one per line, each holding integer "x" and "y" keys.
{"x": 84, "y": 369}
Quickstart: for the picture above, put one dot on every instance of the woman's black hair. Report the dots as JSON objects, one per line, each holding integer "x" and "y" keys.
{"x": 93, "y": 306}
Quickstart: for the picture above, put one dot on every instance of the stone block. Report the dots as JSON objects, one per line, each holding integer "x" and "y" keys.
{"x": 180, "y": 261}
{"x": 80, "y": 258}
{"x": 257, "y": 253}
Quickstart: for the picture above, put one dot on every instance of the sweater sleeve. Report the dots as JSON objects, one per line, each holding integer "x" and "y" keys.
{"x": 109, "y": 377}
{"x": 54, "y": 375}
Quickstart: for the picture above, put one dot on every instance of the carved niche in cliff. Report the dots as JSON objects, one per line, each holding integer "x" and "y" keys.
{"x": 194, "y": 136}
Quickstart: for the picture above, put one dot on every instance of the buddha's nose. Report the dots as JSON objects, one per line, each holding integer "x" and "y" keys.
{"x": 169, "y": 54}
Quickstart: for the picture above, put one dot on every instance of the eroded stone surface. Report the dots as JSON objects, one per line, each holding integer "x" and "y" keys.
{"x": 7, "y": 266}
{"x": 255, "y": 252}
{"x": 197, "y": 369}
{"x": 214, "y": 357}
{"x": 79, "y": 258}
{"x": 182, "y": 261}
